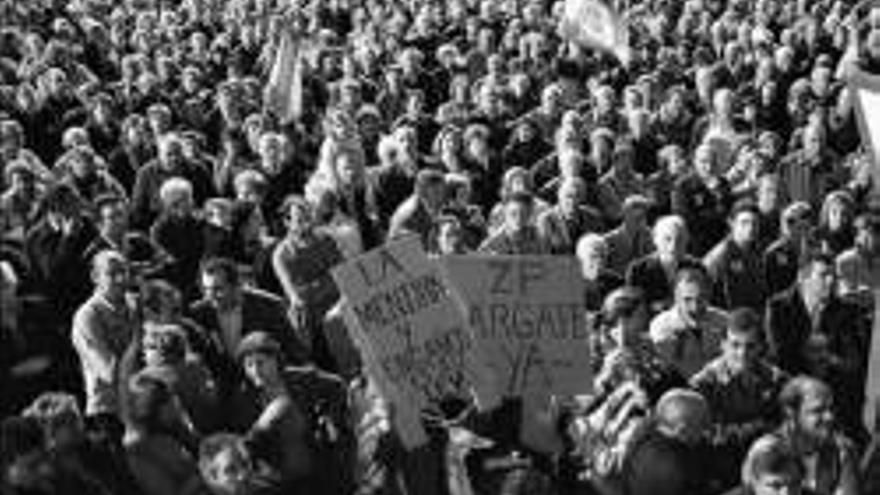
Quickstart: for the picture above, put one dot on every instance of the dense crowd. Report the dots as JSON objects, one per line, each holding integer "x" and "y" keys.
{"x": 170, "y": 324}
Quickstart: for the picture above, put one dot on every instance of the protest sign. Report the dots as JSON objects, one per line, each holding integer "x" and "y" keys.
{"x": 411, "y": 332}
{"x": 527, "y": 314}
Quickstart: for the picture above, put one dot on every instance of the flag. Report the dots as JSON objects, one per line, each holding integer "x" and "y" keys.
{"x": 595, "y": 24}
{"x": 865, "y": 93}
{"x": 284, "y": 90}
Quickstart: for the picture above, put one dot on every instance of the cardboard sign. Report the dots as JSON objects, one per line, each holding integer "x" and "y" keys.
{"x": 413, "y": 336}
{"x": 527, "y": 314}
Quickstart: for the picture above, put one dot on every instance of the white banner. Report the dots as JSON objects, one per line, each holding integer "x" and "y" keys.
{"x": 415, "y": 341}
{"x": 527, "y": 314}
{"x": 595, "y": 24}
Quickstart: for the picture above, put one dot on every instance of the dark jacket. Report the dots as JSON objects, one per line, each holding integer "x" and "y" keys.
{"x": 393, "y": 186}
{"x": 789, "y": 327}
{"x": 705, "y": 211}
{"x": 58, "y": 270}
{"x": 260, "y": 311}
{"x": 182, "y": 238}
{"x": 323, "y": 400}
{"x": 648, "y": 274}
{"x": 658, "y": 465}
{"x": 737, "y": 276}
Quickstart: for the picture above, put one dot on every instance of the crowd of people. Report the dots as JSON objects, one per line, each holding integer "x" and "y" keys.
{"x": 170, "y": 324}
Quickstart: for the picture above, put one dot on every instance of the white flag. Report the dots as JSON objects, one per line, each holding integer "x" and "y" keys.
{"x": 595, "y": 24}
{"x": 284, "y": 89}
{"x": 865, "y": 90}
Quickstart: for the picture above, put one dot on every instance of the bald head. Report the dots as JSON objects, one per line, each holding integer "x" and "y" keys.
{"x": 682, "y": 414}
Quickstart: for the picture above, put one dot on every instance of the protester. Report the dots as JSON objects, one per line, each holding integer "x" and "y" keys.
{"x": 833, "y": 350}
{"x": 298, "y": 430}
{"x": 599, "y": 281}
{"x": 566, "y": 221}
{"x": 741, "y": 388}
{"x": 688, "y": 335}
{"x": 156, "y": 439}
{"x": 302, "y": 262}
{"x": 73, "y": 449}
{"x": 417, "y": 214}
{"x": 173, "y": 231}
{"x": 28, "y": 468}
{"x": 668, "y": 459}
{"x": 783, "y": 257}
{"x": 632, "y": 239}
{"x": 808, "y": 428}
{"x": 228, "y": 468}
{"x": 102, "y": 329}
{"x": 656, "y": 272}
{"x": 735, "y": 265}
{"x": 230, "y": 311}
{"x": 629, "y": 355}
{"x": 771, "y": 467}
{"x": 517, "y": 235}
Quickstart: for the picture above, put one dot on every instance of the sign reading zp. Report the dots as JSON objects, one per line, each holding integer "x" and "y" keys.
{"x": 527, "y": 315}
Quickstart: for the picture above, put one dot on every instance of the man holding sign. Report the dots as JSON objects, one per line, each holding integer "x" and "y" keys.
{"x": 527, "y": 314}
{"x": 414, "y": 339}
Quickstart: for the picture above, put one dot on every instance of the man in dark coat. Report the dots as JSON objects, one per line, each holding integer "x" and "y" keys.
{"x": 811, "y": 331}
{"x": 229, "y": 311}
{"x": 782, "y": 256}
{"x": 807, "y": 320}
{"x": 736, "y": 263}
{"x": 669, "y": 459}
{"x": 55, "y": 248}
{"x": 656, "y": 272}
{"x": 703, "y": 199}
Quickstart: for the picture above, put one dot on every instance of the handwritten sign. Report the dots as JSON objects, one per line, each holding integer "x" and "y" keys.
{"x": 527, "y": 314}
{"x": 415, "y": 340}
